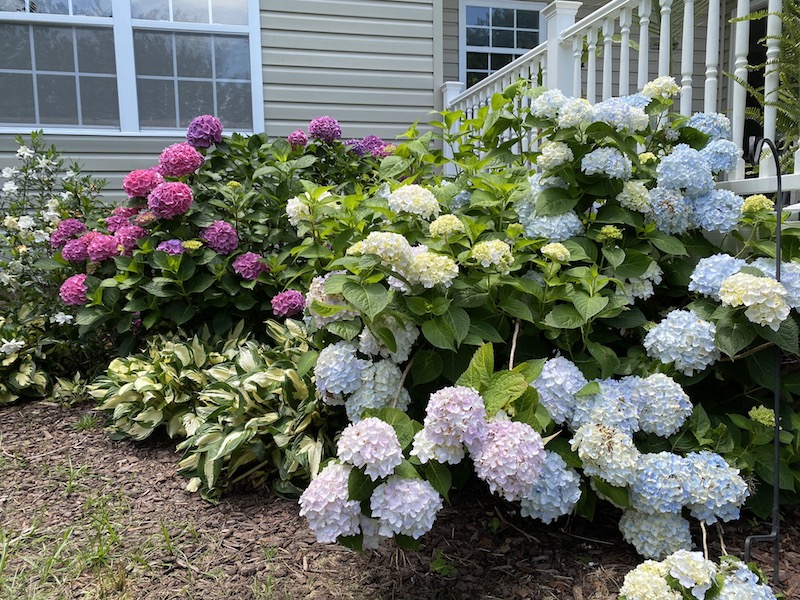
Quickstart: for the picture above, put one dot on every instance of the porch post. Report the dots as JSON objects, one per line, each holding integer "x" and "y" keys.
{"x": 559, "y": 15}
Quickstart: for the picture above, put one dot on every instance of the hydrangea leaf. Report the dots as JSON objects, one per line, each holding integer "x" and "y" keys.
{"x": 635, "y": 265}
{"x": 668, "y": 244}
{"x": 564, "y": 316}
{"x": 733, "y": 337}
{"x": 485, "y": 332}
{"x": 504, "y": 387}
{"x": 439, "y": 477}
{"x": 617, "y": 495}
{"x": 394, "y": 165}
{"x": 406, "y": 542}
{"x": 786, "y": 338}
{"x": 554, "y": 201}
{"x": 370, "y": 299}
{"x": 407, "y": 470}
{"x": 588, "y": 306}
{"x": 605, "y": 357}
{"x": 439, "y": 333}
{"x": 427, "y": 366}
{"x": 359, "y": 486}
{"x": 480, "y": 369}
{"x": 346, "y": 330}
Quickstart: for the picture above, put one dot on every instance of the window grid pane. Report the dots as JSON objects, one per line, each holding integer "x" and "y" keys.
{"x": 89, "y": 8}
{"x": 44, "y": 75}
{"x": 196, "y": 74}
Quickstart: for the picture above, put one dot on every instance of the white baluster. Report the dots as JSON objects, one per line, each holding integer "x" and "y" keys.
{"x": 712, "y": 58}
{"x": 742, "y": 33}
{"x": 771, "y": 82}
{"x": 558, "y": 16}
{"x": 687, "y": 57}
{"x": 624, "y": 51}
{"x": 577, "y": 48}
{"x": 591, "y": 66}
{"x": 665, "y": 39}
{"x": 645, "y": 7}
{"x": 608, "y": 56}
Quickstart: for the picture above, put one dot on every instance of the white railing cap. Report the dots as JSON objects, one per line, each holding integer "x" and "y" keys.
{"x": 595, "y": 17}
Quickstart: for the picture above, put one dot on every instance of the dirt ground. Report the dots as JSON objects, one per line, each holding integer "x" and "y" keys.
{"x": 84, "y": 517}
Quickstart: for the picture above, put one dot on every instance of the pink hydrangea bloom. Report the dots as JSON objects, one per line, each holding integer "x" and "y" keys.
{"x": 221, "y": 237}
{"x": 204, "y": 131}
{"x": 129, "y": 211}
{"x": 298, "y": 139}
{"x": 115, "y": 223}
{"x": 288, "y": 303}
{"x": 249, "y": 265}
{"x": 127, "y": 237}
{"x": 169, "y": 200}
{"x": 75, "y": 250}
{"x": 326, "y": 129}
{"x": 102, "y": 247}
{"x": 66, "y": 230}
{"x": 139, "y": 183}
{"x": 179, "y": 160}
{"x": 73, "y": 290}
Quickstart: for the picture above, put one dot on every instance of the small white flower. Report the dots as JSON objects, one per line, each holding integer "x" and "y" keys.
{"x": 51, "y": 217}
{"x": 24, "y": 152}
{"x": 11, "y": 346}
{"x": 65, "y": 196}
{"x": 61, "y": 318}
{"x": 9, "y": 187}
{"x": 10, "y": 172}
{"x": 10, "y": 223}
{"x": 40, "y": 236}
{"x": 69, "y": 175}
{"x": 25, "y": 222}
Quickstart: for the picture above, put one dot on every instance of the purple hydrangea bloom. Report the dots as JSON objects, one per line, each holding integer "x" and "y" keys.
{"x": 356, "y": 147}
{"x": 127, "y": 237}
{"x": 116, "y": 222}
{"x": 221, "y": 237}
{"x": 169, "y": 200}
{"x": 172, "y": 247}
{"x": 75, "y": 250}
{"x": 298, "y": 139}
{"x": 249, "y": 265}
{"x": 405, "y": 506}
{"x": 374, "y": 145}
{"x": 288, "y": 303}
{"x": 204, "y": 131}
{"x": 325, "y": 129}
{"x": 66, "y": 230}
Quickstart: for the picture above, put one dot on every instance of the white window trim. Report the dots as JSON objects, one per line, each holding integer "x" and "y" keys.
{"x": 462, "y": 26}
{"x": 123, "y": 26}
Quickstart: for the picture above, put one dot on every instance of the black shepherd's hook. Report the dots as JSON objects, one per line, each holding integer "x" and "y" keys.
{"x": 753, "y": 156}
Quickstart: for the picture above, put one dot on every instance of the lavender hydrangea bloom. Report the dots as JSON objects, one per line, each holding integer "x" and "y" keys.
{"x": 325, "y": 504}
{"x": 718, "y": 210}
{"x": 404, "y": 334}
{"x": 510, "y": 458}
{"x": 555, "y": 493}
{"x": 715, "y": 489}
{"x": 606, "y": 452}
{"x": 670, "y": 211}
{"x": 663, "y": 405}
{"x": 372, "y": 444}
{"x": 557, "y": 385}
{"x": 338, "y": 370}
{"x": 660, "y": 484}
{"x": 204, "y": 131}
{"x": 221, "y": 237}
{"x": 405, "y": 506}
{"x": 637, "y": 100}
{"x": 555, "y": 228}
{"x": 355, "y": 146}
{"x": 456, "y": 417}
{"x": 710, "y": 272}
{"x": 721, "y": 155}
{"x": 607, "y": 161}
{"x": 656, "y": 535}
{"x": 684, "y": 339}
{"x": 325, "y": 129}
{"x": 685, "y": 169}
{"x": 173, "y": 247}
{"x": 715, "y": 125}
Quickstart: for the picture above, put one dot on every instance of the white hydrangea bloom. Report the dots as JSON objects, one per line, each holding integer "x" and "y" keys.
{"x": 548, "y": 104}
{"x": 692, "y": 571}
{"x": 663, "y": 405}
{"x": 405, "y": 506}
{"x": 392, "y": 248}
{"x": 316, "y": 292}
{"x": 554, "y": 154}
{"x": 661, "y": 87}
{"x": 635, "y": 196}
{"x": 326, "y": 506}
{"x": 430, "y": 269}
{"x": 765, "y": 298}
{"x": 575, "y": 112}
{"x": 656, "y": 535}
{"x": 338, "y": 370}
{"x": 607, "y": 453}
{"x": 495, "y": 253}
{"x": 555, "y": 251}
{"x": 648, "y": 582}
{"x": 416, "y": 200}
{"x": 372, "y": 444}
{"x": 447, "y": 225}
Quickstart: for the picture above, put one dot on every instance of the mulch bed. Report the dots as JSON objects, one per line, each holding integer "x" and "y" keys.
{"x": 173, "y": 544}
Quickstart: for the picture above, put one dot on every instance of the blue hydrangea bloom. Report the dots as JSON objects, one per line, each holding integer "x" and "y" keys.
{"x": 338, "y": 370}
{"x": 547, "y": 104}
{"x": 607, "y": 161}
{"x": 460, "y": 200}
{"x": 742, "y": 584}
{"x": 555, "y": 228}
{"x": 555, "y": 493}
{"x": 684, "y": 339}
{"x": 656, "y": 535}
{"x": 663, "y": 405}
{"x": 710, "y": 272}
{"x": 557, "y": 385}
{"x": 621, "y": 114}
{"x": 685, "y": 169}
{"x": 715, "y": 125}
{"x": 613, "y": 406}
{"x": 659, "y": 485}
{"x": 719, "y": 210}
{"x": 670, "y": 210}
{"x": 715, "y": 489}
{"x": 721, "y": 155}
{"x": 637, "y": 100}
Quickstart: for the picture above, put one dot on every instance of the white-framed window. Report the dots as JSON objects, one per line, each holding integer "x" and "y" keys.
{"x": 129, "y": 66}
{"x": 492, "y": 33}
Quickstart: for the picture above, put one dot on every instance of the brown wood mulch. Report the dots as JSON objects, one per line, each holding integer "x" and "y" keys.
{"x": 135, "y": 533}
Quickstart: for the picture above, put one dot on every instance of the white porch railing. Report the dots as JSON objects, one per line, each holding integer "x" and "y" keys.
{"x": 604, "y": 53}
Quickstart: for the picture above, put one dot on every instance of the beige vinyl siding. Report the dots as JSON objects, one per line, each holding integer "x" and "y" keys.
{"x": 106, "y": 157}
{"x": 368, "y": 63}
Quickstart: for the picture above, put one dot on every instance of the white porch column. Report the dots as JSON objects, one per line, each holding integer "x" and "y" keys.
{"x": 559, "y": 15}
